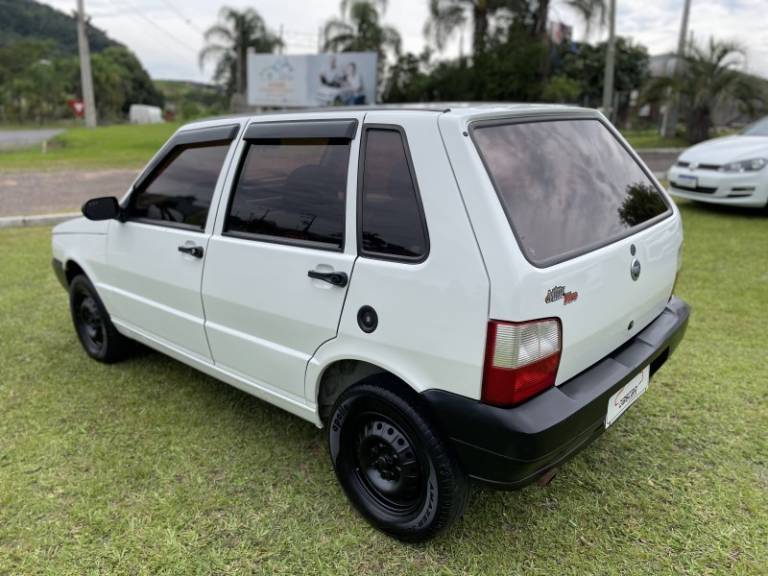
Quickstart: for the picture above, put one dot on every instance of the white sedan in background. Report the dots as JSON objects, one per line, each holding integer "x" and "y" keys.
{"x": 729, "y": 170}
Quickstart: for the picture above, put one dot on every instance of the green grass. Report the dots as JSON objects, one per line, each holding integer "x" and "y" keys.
{"x": 652, "y": 139}
{"x": 122, "y": 146}
{"x": 131, "y": 146}
{"x": 148, "y": 467}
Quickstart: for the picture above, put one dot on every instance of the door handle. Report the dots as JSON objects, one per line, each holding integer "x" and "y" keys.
{"x": 339, "y": 279}
{"x": 196, "y": 251}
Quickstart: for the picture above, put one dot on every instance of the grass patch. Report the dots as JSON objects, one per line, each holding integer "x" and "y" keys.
{"x": 131, "y": 146}
{"x": 121, "y": 146}
{"x": 652, "y": 139}
{"x": 148, "y": 467}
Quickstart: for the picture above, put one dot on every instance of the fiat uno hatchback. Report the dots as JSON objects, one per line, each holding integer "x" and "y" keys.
{"x": 473, "y": 292}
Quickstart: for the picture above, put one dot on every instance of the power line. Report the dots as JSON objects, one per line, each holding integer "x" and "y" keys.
{"x": 179, "y": 13}
{"x": 157, "y": 26}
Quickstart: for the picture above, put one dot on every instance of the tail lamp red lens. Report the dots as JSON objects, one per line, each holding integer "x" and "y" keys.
{"x": 521, "y": 360}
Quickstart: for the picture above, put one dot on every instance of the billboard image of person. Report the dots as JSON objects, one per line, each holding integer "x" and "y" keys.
{"x": 347, "y": 78}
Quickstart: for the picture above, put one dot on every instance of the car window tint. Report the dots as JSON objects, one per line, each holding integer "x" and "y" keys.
{"x": 568, "y": 186}
{"x": 392, "y": 223}
{"x": 292, "y": 190}
{"x": 182, "y": 189}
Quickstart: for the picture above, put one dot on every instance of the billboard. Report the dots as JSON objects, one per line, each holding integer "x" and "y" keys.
{"x": 344, "y": 78}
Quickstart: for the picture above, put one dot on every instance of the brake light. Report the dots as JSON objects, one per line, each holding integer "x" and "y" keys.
{"x": 521, "y": 360}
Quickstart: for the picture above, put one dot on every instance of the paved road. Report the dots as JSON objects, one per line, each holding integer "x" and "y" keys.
{"x": 28, "y": 193}
{"x": 21, "y": 138}
{"x": 660, "y": 160}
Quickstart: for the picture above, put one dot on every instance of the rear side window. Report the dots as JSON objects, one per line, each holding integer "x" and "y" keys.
{"x": 180, "y": 191}
{"x": 567, "y": 186}
{"x": 292, "y": 190}
{"x": 392, "y": 223}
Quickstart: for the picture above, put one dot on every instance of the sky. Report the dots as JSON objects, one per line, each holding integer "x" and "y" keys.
{"x": 166, "y": 35}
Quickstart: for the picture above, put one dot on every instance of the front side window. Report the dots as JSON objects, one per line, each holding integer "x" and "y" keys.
{"x": 392, "y": 223}
{"x": 181, "y": 189}
{"x": 292, "y": 190}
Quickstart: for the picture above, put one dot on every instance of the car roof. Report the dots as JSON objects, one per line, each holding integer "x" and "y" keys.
{"x": 465, "y": 110}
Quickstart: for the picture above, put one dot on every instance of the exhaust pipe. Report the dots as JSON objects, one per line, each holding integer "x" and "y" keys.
{"x": 547, "y": 477}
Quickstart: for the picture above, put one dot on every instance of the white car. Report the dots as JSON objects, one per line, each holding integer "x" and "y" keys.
{"x": 729, "y": 170}
{"x": 453, "y": 293}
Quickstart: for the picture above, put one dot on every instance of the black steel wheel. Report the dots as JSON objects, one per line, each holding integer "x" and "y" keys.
{"x": 97, "y": 334}
{"x": 392, "y": 463}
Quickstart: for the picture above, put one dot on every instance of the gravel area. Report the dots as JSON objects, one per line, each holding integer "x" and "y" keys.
{"x": 26, "y": 193}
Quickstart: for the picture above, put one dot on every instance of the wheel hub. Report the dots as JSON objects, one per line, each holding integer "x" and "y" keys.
{"x": 387, "y": 463}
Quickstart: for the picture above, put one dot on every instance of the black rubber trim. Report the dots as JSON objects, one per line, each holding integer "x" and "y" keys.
{"x": 58, "y": 270}
{"x": 341, "y": 128}
{"x": 511, "y": 447}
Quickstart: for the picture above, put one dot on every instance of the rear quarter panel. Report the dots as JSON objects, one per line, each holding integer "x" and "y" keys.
{"x": 432, "y": 315}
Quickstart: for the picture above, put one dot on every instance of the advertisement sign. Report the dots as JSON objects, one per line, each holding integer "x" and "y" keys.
{"x": 345, "y": 78}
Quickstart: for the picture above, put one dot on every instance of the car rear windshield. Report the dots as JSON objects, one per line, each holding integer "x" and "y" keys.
{"x": 567, "y": 186}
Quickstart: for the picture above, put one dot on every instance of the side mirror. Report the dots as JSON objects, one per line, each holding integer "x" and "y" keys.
{"x": 104, "y": 208}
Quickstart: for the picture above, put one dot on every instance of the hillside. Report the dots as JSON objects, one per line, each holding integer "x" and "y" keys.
{"x": 30, "y": 20}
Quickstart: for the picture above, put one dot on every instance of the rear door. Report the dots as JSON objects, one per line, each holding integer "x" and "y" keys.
{"x": 584, "y": 234}
{"x": 279, "y": 261}
{"x": 154, "y": 262}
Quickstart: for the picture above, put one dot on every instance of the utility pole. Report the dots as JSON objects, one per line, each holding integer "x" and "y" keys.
{"x": 610, "y": 62}
{"x": 669, "y": 123}
{"x": 86, "y": 80}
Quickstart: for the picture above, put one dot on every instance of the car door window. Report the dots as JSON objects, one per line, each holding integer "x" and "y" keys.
{"x": 179, "y": 192}
{"x": 292, "y": 191}
{"x": 392, "y": 224}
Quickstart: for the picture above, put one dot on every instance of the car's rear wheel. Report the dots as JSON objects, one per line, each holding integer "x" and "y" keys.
{"x": 97, "y": 334}
{"x": 392, "y": 463}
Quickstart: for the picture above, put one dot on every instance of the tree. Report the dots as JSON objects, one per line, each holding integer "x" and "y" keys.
{"x": 707, "y": 78}
{"x": 228, "y": 42}
{"x": 360, "y": 30}
{"x": 446, "y": 17}
{"x": 585, "y": 64}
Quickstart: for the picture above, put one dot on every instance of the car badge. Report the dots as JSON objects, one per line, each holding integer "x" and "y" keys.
{"x": 559, "y": 293}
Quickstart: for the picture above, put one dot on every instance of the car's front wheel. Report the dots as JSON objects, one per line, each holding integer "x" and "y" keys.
{"x": 97, "y": 334}
{"x": 392, "y": 463}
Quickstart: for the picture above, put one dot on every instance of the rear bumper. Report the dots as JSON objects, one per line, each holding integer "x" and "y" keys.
{"x": 511, "y": 447}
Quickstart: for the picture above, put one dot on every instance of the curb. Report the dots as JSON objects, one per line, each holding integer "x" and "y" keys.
{"x": 38, "y": 220}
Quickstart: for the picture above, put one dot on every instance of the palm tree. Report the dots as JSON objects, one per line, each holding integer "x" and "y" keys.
{"x": 228, "y": 42}
{"x": 446, "y": 17}
{"x": 707, "y": 78}
{"x": 360, "y": 30}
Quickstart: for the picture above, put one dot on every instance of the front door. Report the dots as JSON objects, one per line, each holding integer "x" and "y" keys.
{"x": 155, "y": 258}
{"x": 280, "y": 260}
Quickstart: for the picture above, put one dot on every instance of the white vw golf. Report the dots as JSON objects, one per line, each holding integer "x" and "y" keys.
{"x": 452, "y": 293}
{"x": 729, "y": 170}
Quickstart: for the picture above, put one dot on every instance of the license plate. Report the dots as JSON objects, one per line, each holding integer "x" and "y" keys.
{"x": 627, "y": 395}
{"x": 685, "y": 181}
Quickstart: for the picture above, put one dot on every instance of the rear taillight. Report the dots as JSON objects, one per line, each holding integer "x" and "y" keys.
{"x": 521, "y": 360}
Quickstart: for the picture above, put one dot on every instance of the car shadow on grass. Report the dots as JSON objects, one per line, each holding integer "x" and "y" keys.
{"x": 301, "y": 447}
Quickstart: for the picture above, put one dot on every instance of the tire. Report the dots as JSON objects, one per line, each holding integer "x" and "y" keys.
{"x": 391, "y": 462}
{"x": 97, "y": 334}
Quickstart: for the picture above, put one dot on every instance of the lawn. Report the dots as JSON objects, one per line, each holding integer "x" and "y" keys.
{"x": 131, "y": 146}
{"x": 120, "y": 146}
{"x": 148, "y": 467}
